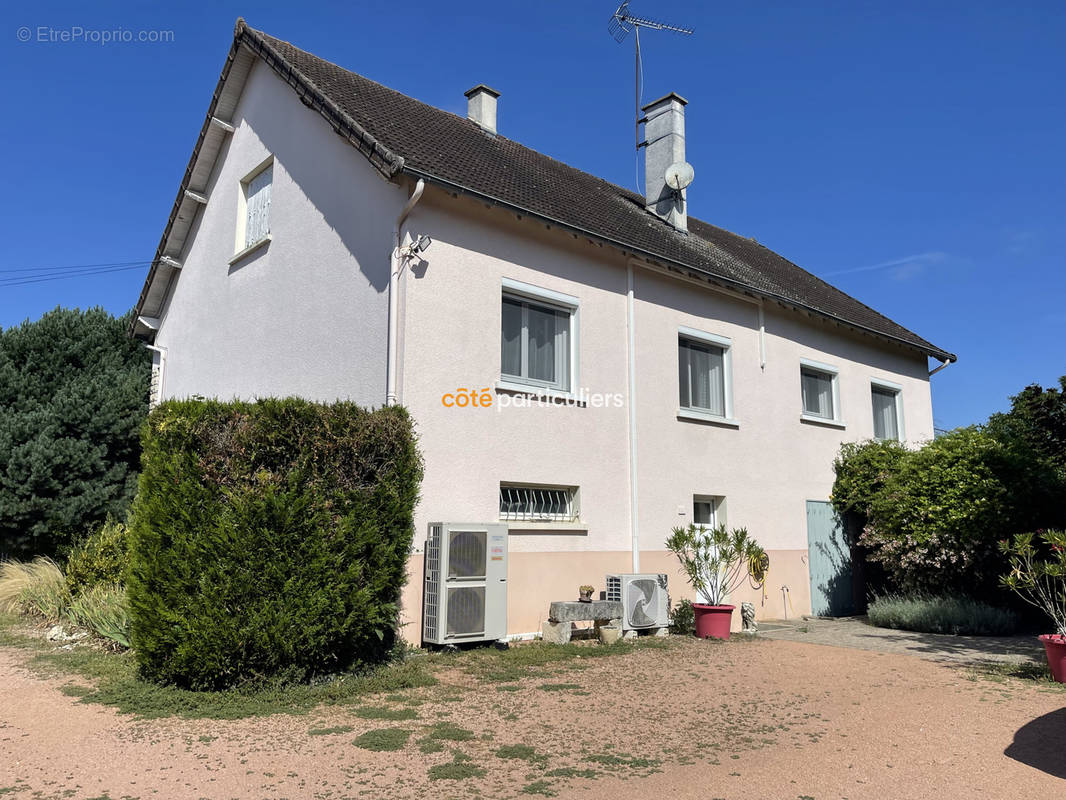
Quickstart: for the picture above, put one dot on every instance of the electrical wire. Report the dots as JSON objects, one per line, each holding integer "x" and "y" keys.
{"x": 85, "y": 273}
{"x": 76, "y": 266}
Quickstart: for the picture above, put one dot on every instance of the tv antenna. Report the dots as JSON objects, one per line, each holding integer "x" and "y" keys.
{"x": 619, "y": 26}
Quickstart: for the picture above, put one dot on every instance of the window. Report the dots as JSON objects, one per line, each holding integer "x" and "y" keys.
{"x": 537, "y": 337}
{"x": 704, "y": 374}
{"x": 704, "y": 512}
{"x": 253, "y": 223}
{"x": 533, "y": 503}
{"x": 820, "y": 392}
{"x": 887, "y": 411}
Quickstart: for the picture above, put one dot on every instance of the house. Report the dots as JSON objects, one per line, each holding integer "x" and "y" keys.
{"x": 589, "y": 365}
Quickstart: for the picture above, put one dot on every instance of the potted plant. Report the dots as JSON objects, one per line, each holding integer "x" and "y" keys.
{"x": 584, "y": 593}
{"x": 1042, "y": 583}
{"x": 716, "y": 562}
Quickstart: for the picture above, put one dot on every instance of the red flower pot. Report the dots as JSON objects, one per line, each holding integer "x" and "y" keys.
{"x": 712, "y": 622}
{"x": 1055, "y": 647}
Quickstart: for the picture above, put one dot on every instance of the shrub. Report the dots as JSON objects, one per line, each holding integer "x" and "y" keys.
{"x": 683, "y": 619}
{"x": 102, "y": 609}
{"x": 717, "y": 561}
{"x": 928, "y": 614}
{"x": 269, "y": 539}
{"x": 1041, "y": 582}
{"x": 934, "y": 515}
{"x": 73, "y": 394}
{"x": 99, "y": 558}
{"x": 34, "y": 588}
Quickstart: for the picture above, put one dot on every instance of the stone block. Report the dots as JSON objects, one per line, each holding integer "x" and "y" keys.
{"x": 574, "y": 611}
{"x": 556, "y": 632}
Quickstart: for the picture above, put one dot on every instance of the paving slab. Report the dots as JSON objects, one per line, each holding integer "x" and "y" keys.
{"x": 858, "y": 633}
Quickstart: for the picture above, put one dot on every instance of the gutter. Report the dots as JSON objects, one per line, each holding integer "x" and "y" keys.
{"x": 935, "y": 370}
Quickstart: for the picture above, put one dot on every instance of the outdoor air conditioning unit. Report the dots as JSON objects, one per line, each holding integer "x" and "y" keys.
{"x": 644, "y": 599}
{"x": 465, "y": 597}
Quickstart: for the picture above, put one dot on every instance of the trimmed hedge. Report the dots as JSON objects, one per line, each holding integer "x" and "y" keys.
{"x": 269, "y": 540}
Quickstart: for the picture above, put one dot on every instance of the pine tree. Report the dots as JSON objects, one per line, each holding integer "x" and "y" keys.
{"x": 73, "y": 395}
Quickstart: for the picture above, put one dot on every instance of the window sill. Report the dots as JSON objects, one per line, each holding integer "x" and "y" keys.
{"x": 700, "y": 416}
{"x": 828, "y": 423}
{"x": 249, "y": 250}
{"x": 516, "y": 526}
{"x": 514, "y": 387}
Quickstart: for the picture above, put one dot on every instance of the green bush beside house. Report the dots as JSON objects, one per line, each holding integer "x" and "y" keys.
{"x": 269, "y": 539}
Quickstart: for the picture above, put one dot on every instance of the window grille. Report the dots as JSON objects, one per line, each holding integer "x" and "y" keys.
{"x": 538, "y": 504}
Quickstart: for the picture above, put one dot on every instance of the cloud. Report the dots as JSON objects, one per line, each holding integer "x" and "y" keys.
{"x": 901, "y": 269}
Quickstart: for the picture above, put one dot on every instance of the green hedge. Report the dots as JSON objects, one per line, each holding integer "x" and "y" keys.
{"x": 269, "y": 540}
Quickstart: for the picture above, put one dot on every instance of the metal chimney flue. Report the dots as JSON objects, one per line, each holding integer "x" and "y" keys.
{"x": 664, "y": 147}
{"x": 481, "y": 106}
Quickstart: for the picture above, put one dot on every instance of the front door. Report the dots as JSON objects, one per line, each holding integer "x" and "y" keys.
{"x": 829, "y": 561}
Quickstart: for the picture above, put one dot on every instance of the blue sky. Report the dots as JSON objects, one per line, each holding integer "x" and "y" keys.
{"x": 911, "y": 152}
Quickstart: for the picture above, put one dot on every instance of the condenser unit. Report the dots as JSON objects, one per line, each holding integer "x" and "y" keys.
{"x": 644, "y": 599}
{"x": 465, "y": 597}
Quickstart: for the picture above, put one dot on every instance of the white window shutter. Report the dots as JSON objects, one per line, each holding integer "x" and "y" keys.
{"x": 257, "y": 223}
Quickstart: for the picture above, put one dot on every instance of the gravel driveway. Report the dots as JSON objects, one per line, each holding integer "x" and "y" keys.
{"x": 745, "y": 719}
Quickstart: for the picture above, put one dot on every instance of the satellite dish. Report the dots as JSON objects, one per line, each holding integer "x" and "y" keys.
{"x": 679, "y": 175}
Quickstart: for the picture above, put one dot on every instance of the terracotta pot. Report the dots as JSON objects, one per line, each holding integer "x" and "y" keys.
{"x": 712, "y": 622}
{"x": 1055, "y": 647}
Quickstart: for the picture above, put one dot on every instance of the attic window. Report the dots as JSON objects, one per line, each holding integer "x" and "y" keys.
{"x": 254, "y": 218}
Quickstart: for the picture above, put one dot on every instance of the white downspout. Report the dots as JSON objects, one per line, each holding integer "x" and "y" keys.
{"x": 762, "y": 337}
{"x": 935, "y": 371}
{"x": 395, "y": 267}
{"x": 632, "y": 369}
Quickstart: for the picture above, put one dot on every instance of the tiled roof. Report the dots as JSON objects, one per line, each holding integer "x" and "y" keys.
{"x": 403, "y": 135}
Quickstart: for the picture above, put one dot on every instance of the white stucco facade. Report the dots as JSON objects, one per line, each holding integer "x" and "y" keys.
{"x": 307, "y": 313}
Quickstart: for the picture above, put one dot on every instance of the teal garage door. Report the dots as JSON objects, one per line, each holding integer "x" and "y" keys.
{"x": 829, "y": 561}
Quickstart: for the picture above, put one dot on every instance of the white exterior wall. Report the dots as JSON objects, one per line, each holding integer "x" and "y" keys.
{"x": 306, "y": 314}
{"x": 766, "y": 468}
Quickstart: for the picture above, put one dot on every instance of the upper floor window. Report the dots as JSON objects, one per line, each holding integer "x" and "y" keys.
{"x": 820, "y": 391}
{"x": 704, "y": 365}
{"x": 254, "y": 217}
{"x": 888, "y": 419}
{"x": 537, "y": 337}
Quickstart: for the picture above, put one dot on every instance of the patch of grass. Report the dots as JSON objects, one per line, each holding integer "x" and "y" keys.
{"x": 449, "y": 732}
{"x": 330, "y": 731}
{"x": 458, "y": 769}
{"x": 515, "y": 663}
{"x": 74, "y": 690}
{"x": 572, "y": 772}
{"x": 624, "y": 760}
{"x": 508, "y": 687}
{"x": 381, "y": 712}
{"x": 383, "y": 739}
{"x": 115, "y": 683}
{"x": 1029, "y": 671}
{"x": 37, "y": 587}
{"x": 558, "y": 687}
{"x": 539, "y": 787}
{"x": 520, "y": 751}
{"x": 430, "y": 746}
{"x": 952, "y": 615}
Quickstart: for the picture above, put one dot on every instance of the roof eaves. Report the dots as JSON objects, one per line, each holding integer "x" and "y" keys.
{"x": 720, "y": 280}
{"x": 383, "y": 159}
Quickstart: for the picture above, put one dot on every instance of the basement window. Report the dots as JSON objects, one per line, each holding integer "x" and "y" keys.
{"x": 537, "y": 503}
